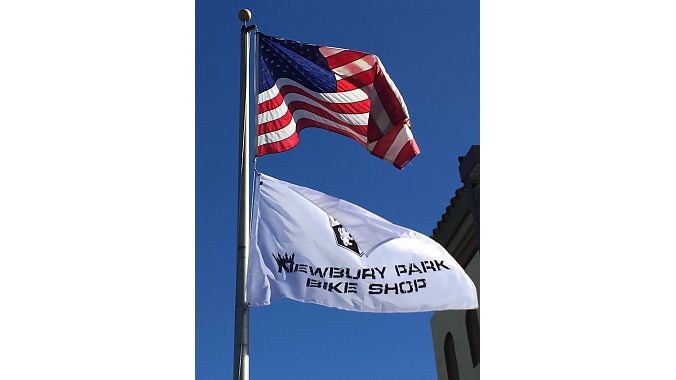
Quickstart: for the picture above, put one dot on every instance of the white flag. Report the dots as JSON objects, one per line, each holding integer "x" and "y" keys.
{"x": 311, "y": 247}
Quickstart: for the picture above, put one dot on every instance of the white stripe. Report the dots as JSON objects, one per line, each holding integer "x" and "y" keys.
{"x": 277, "y": 135}
{"x": 356, "y": 67}
{"x": 274, "y": 114}
{"x": 402, "y": 138}
{"x": 328, "y": 51}
{"x": 378, "y": 111}
{"x": 287, "y": 131}
{"x": 351, "y": 96}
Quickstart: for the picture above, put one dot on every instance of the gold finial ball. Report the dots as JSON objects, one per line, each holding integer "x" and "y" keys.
{"x": 244, "y": 15}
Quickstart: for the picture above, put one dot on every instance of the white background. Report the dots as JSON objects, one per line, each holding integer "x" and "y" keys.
{"x": 97, "y": 189}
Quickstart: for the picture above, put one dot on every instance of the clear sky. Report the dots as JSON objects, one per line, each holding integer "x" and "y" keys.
{"x": 431, "y": 51}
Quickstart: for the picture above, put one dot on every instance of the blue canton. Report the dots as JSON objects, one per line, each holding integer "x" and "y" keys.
{"x": 303, "y": 63}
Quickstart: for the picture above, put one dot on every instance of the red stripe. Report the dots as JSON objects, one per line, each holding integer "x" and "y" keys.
{"x": 307, "y": 123}
{"x": 278, "y": 146}
{"x": 406, "y": 154}
{"x": 385, "y": 142}
{"x": 387, "y": 97}
{"x": 373, "y": 133}
{"x": 343, "y": 85}
{"x": 276, "y": 124}
{"x": 356, "y": 81}
{"x": 293, "y": 107}
{"x": 344, "y": 57}
{"x": 271, "y": 104}
{"x": 361, "y": 106}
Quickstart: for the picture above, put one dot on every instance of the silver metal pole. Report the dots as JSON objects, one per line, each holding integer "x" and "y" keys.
{"x": 241, "y": 362}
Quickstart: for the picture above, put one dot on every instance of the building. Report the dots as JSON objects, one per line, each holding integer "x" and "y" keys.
{"x": 455, "y": 333}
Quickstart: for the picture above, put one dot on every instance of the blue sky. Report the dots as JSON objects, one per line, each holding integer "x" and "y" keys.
{"x": 431, "y": 51}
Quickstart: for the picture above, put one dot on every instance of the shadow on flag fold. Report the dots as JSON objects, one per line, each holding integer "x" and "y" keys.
{"x": 311, "y": 247}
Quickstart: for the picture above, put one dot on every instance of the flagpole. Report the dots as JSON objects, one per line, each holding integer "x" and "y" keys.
{"x": 241, "y": 349}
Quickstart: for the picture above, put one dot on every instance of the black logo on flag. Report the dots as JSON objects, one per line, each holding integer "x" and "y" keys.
{"x": 282, "y": 261}
{"x": 343, "y": 237}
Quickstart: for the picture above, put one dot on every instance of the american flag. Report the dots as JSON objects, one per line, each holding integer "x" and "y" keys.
{"x": 344, "y": 91}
